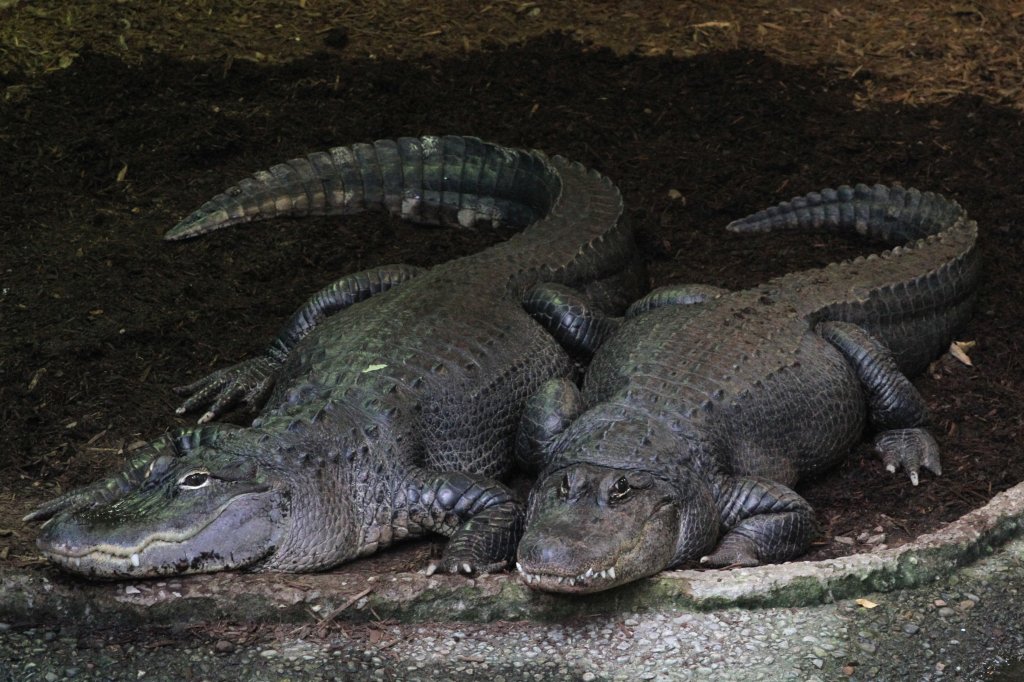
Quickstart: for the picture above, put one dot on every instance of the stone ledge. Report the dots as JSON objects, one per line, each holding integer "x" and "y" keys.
{"x": 30, "y": 597}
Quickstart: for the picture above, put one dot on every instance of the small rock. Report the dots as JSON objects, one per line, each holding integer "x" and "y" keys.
{"x": 876, "y": 539}
{"x": 51, "y": 677}
{"x": 911, "y": 628}
{"x": 268, "y": 653}
{"x": 939, "y": 602}
{"x": 223, "y": 646}
{"x": 818, "y": 663}
{"x": 868, "y": 647}
{"x": 966, "y": 604}
{"x": 72, "y": 672}
{"x": 589, "y": 677}
{"x": 843, "y": 540}
{"x": 946, "y": 612}
{"x": 675, "y": 195}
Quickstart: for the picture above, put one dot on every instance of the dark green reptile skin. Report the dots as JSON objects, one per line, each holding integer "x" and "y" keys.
{"x": 380, "y": 413}
{"x": 719, "y": 405}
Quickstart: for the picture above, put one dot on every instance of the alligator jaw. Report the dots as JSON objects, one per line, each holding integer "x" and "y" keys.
{"x": 239, "y": 532}
{"x": 590, "y": 580}
{"x": 111, "y": 563}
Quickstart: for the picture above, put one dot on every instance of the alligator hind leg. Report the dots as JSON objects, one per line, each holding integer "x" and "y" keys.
{"x": 250, "y": 381}
{"x": 765, "y": 522}
{"x": 481, "y": 517}
{"x": 896, "y": 409}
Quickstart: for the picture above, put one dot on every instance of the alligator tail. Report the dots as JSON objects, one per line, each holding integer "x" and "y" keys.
{"x": 913, "y": 296}
{"x": 450, "y": 180}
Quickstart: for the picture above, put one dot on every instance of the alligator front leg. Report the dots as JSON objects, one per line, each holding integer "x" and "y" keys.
{"x": 250, "y": 381}
{"x": 547, "y": 413}
{"x": 569, "y": 317}
{"x": 896, "y": 409}
{"x": 481, "y": 517}
{"x": 764, "y": 521}
{"x": 678, "y": 294}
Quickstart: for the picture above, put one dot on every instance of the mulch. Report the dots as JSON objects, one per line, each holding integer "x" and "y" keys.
{"x": 100, "y": 318}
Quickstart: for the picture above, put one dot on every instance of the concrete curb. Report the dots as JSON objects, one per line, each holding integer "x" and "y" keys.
{"x": 31, "y": 597}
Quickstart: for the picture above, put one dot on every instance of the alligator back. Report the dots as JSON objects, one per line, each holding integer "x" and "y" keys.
{"x": 454, "y": 339}
{"x": 913, "y": 296}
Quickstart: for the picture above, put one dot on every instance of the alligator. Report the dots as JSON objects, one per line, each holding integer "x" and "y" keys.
{"x": 390, "y": 400}
{"x": 703, "y": 407}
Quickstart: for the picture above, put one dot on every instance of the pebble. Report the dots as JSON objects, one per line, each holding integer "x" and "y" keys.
{"x": 911, "y": 628}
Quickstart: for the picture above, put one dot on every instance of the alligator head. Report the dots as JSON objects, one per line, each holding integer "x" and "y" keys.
{"x": 590, "y": 527}
{"x": 192, "y": 502}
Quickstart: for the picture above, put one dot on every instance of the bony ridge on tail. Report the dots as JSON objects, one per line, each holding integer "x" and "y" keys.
{"x": 390, "y": 401}
{"x": 703, "y": 407}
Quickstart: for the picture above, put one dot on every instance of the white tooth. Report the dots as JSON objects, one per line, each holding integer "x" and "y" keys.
{"x": 611, "y": 573}
{"x": 590, "y": 572}
{"x": 135, "y": 560}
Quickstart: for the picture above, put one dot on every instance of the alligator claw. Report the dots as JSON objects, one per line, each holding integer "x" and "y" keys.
{"x": 911, "y": 449}
{"x": 248, "y": 382}
{"x": 732, "y": 551}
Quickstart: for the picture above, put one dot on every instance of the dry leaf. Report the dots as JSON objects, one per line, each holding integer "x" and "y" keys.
{"x": 866, "y": 603}
{"x": 958, "y": 349}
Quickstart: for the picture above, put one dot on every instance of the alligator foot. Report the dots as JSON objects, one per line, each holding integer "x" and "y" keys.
{"x": 487, "y": 542}
{"x": 910, "y": 449}
{"x": 733, "y": 550}
{"x": 248, "y": 382}
{"x": 766, "y": 522}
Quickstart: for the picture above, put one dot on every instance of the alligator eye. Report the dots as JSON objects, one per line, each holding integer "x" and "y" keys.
{"x": 563, "y": 488}
{"x": 195, "y": 479}
{"x": 620, "y": 490}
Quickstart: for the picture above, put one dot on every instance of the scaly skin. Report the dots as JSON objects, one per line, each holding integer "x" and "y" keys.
{"x": 391, "y": 398}
{"x": 704, "y": 407}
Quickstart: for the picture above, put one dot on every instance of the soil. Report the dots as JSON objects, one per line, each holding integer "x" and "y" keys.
{"x": 101, "y": 318}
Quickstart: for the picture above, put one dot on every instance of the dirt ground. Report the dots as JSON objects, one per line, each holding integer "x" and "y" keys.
{"x": 117, "y": 120}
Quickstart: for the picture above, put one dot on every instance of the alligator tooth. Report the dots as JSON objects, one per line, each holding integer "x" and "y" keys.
{"x": 589, "y": 573}
{"x": 135, "y": 560}
{"x": 611, "y": 573}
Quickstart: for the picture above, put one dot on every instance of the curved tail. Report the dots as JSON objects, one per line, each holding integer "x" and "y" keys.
{"x": 913, "y": 296}
{"x": 448, "y": 180}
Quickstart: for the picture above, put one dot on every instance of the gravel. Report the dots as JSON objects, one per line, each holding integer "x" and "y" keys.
{"x": 966, "y": 626}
